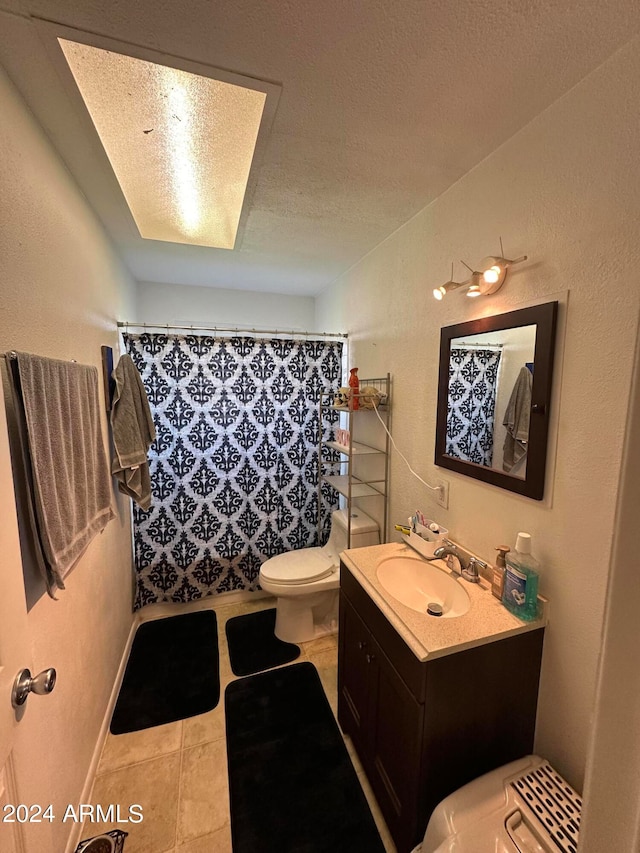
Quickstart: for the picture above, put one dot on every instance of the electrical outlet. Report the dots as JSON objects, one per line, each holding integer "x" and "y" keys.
{"x": 442, "y": 495}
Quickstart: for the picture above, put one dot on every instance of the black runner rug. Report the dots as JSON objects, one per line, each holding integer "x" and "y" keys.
{"x": 292, "y": 785}
{"x": 253, "y": 647}
{"x": 173, "y": 673}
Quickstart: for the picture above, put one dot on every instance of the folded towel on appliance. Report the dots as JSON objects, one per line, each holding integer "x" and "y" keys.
{"x": 133, "y": 433}
{"x": 516, "y": 419}
{"x": 71, "y": 486}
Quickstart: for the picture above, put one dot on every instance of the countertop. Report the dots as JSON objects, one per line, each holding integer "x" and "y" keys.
{"x": 428, "y": 637}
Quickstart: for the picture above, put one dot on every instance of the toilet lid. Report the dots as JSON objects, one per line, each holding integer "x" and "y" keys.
{"x": 295, "y": 567}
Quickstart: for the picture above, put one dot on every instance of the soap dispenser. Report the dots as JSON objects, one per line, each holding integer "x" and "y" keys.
{"x": 497, "y": 581}
{"x": 520, "y": 594}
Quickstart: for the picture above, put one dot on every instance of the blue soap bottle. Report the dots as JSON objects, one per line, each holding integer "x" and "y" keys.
{"x": 520, "y": 594}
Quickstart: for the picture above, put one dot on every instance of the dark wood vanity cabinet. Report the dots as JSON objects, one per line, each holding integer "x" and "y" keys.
{"x": 423, "y": 729}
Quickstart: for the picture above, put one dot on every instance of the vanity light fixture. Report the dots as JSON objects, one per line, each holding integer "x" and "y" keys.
{"x": 440, "y": 292}
{"x": 494, "y": 272}
{"x": 474, "y": 288}
{"x": 483, "y": 282}
{"x": 474, "y": 285}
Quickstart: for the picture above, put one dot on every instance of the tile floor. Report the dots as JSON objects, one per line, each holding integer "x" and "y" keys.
{"x": 178, "y": 772}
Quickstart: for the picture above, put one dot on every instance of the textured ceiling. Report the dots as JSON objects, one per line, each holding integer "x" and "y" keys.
{"x": 384, "y": 104}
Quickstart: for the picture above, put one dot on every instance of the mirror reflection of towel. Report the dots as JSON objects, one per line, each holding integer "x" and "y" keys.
{"x": 516, "y": 420}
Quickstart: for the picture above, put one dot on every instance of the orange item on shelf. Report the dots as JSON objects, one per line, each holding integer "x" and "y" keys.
{"x": 354, "y": 384}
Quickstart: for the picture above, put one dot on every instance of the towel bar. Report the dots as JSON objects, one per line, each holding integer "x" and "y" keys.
{"x": 13, "y": 355}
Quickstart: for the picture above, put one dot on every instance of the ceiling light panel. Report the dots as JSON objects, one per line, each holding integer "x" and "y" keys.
{"x": 180, "y": 144}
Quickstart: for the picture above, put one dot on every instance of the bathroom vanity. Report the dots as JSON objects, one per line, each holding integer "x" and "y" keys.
{"x": 430, "y": 703}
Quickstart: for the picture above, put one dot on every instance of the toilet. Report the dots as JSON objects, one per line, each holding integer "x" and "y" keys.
{"x": 306, "y": 582}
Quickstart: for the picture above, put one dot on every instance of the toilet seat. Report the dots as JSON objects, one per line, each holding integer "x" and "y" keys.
{"x": 298, "y": 567}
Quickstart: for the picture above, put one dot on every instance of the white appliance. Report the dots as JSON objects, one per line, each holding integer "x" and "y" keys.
{"x": 523, "y": 807}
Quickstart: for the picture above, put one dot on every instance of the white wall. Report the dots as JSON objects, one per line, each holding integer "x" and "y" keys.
{"x": 612, "y": 819}
{"x": 201, "y": 306}
{"x": 565, "y": 191}
{"x": 62, "y": 289}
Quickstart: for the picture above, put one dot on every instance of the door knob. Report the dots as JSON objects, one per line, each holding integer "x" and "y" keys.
{"x": 42, "y": 683}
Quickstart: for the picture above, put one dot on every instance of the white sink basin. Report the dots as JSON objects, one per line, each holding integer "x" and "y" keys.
{"x": 417, "y": 584}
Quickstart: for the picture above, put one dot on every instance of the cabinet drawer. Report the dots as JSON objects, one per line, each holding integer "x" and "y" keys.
{"x": 411, "y": 670}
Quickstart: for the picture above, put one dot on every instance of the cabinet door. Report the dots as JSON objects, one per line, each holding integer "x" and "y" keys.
{"x": 395, "y": 724}
{"x": 353, "y": 675}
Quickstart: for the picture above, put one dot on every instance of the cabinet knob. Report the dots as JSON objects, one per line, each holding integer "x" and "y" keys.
{"x": 370, "y": 658}
{"x": 362, "y": 644}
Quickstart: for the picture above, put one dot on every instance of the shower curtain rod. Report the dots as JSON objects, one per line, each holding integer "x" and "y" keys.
{"x": 473, "y": 344}
{"x": 126, "y": 325}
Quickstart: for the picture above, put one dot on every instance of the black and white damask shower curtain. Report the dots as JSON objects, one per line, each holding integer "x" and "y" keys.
{"x": 473, "y": 379}
{"x": 234, "y": 468}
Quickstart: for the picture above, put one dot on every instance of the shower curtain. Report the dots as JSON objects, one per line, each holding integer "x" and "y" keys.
{"x": 234, "y": 468}
{"x": 473, "y": 379}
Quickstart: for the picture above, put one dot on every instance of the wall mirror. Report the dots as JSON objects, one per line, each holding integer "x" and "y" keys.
{"x": 494, "y": 393}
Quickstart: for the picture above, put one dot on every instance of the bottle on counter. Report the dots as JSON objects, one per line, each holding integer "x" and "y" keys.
{"x": 497, "y": 581}
{"x": 520, "y": 594}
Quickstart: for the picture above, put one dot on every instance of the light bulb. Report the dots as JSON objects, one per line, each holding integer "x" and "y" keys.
{"x": 440, "y": 292}
{"x": 492, "y": 275}
{"x": 474, "y": 290}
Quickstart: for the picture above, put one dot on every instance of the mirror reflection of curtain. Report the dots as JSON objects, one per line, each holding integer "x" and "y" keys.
{"x": 234, "y": 467}
{"x": 473, "y": 378}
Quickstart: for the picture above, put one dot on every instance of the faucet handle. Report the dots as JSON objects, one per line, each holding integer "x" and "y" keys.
{"x": 480, "y": 564}
{"x": 471, "y": 572}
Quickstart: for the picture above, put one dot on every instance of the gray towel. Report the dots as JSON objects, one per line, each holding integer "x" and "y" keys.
{"x": 71, "y": 483}
{"x": 133, "y": 433}
{"x": 516, "y": 419}
{"x": 31, "y": 549}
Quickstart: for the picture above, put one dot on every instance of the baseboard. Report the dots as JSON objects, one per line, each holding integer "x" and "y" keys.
{"x": 75, "y": 835}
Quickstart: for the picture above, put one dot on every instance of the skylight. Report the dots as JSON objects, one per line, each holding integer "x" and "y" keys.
{"x": 180, "y": 144}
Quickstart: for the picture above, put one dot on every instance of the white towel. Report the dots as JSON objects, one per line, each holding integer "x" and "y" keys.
{"x": 133, "y": 433}
{"x": 72, "y": 487}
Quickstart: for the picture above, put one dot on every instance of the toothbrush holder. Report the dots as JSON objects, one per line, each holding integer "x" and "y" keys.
{"x": 425, "y": 541}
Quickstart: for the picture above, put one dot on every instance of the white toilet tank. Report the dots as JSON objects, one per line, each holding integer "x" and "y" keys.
{"x": 364, "y": 531}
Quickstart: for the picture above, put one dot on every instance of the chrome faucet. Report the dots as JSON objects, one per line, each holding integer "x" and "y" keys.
{"x": 446, "y": 550}
{"x": 469, "y": 565}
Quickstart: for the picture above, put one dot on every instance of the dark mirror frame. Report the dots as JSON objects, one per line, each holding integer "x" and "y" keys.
{"x": 544, "y": 317}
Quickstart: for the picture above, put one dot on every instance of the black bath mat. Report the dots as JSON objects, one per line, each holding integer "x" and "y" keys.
{"x": 173, "y": 673}
{"x": 253, "y": 646}
{"x": 292, "y": 785}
